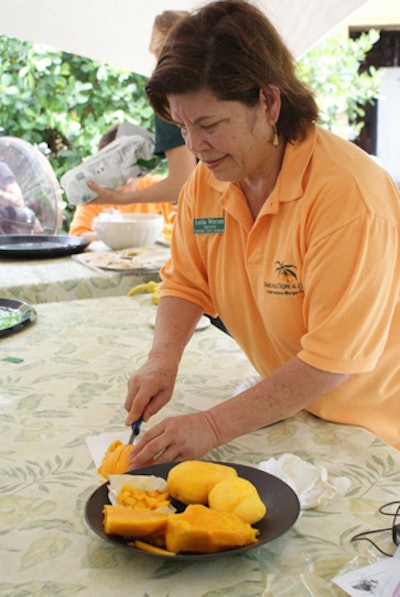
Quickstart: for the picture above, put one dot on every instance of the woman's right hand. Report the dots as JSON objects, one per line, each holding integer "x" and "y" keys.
{"x": 150, "y": 388}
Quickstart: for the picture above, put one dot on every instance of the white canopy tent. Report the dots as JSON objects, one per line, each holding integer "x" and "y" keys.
{"x": 118, "y": 31}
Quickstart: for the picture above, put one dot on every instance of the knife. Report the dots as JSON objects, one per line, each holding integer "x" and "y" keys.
{"x": 135, "y": 429}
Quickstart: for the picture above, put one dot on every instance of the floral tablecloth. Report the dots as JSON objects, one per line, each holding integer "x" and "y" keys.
{"x": 63, "y": 379}
{"x": 62, "y": 279}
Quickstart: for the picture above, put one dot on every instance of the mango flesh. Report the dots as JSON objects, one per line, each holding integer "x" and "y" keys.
{"x": 237, "y": 495}
{"x": 116, "y": 459}
{"x": 191, "y": 481}
{"x": 199, "y": 529}
{"x": 122, "y": 521}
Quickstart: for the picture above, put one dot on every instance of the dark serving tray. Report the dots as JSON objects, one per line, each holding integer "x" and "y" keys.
{"x": 38, "y": 246}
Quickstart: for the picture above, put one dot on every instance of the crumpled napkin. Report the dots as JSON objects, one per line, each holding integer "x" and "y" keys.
{"x": 312, "y": 484}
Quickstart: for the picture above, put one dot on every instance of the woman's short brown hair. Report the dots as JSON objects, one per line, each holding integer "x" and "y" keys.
{"x": 232, "y": 49}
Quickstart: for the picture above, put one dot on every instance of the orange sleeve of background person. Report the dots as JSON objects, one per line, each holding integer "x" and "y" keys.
{"x": 84, "y": 214}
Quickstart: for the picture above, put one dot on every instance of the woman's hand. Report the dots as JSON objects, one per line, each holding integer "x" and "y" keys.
{"x": 150, "y": 388}
{"x": 185, "y": 437}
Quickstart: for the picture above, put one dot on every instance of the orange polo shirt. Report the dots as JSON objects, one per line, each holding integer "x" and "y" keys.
{"x": 85, "y": 214}
{"x": 315, "y": 276}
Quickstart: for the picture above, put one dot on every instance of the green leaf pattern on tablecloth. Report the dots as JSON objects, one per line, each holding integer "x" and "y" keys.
{"x": 62, "y": 279}
{"x": 61, "y": 393}
{"x": 43, "y": 550}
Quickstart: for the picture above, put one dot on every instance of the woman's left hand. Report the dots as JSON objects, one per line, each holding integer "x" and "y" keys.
{"x": 184, "y": 437}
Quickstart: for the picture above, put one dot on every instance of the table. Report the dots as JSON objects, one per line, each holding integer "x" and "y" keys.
{"x": 63, "y": 279}
{"x": 71, "y": 384}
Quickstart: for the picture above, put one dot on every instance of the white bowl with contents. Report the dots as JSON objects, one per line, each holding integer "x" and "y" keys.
{"x": 123, "y": 231}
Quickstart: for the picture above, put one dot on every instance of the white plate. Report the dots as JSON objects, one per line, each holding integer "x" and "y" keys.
{"x": 202, "y": 324}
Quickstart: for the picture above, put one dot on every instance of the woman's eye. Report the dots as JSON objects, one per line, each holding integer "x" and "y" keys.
{"x": 209, "y": 127}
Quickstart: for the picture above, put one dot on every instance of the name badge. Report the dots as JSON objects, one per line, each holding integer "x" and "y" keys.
{"x": 208, "y": 225}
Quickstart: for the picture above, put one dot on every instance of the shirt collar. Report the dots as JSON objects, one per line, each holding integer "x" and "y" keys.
{"x": 295, "y": 163}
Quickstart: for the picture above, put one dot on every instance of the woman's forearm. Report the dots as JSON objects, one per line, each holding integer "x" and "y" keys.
{"x": 175, "y": 323}
{"x": 152, "y": 385}
{"x": 289, "y": 389}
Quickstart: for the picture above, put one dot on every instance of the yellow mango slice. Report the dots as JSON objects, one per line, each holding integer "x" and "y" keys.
{"x": 122, "y": 521}
{"x": 237, "y": 495}
{"x": 191, "y": 481}
{"x": 153, "y": 549}
{"x": 115, "y": 460}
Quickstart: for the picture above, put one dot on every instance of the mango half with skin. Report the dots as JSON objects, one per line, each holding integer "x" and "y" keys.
{"x": 237, "y": 495}
{"x": 119, "y": 520}
{"x": 191, "y": 481}
{"x": 199, "y": 529}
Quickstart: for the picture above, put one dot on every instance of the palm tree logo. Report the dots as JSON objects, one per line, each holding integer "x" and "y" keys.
{"x": 285, "y": 272}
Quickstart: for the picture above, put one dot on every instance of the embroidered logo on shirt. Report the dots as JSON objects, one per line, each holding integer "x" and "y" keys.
{"x": 287, "y": 280}
{"x": 208, "y": 225}
{"x": 285, "y": 272}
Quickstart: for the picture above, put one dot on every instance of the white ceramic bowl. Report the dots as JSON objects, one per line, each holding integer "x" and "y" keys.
{"x": 122, "y": 231}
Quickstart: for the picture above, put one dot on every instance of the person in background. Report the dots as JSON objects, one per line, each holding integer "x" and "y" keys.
{"x": 288, "y": 232}
{"x": 168, "y": 142}
{"x": 84, "y": 214}
{"x": 15, "y": 217}
{"x": 10, "y": 191}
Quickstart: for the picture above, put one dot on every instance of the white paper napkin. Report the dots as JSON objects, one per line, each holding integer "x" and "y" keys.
{"x": 312, "y": 484}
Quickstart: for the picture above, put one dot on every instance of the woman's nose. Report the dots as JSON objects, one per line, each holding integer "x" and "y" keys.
{"x": 194, "y": 141}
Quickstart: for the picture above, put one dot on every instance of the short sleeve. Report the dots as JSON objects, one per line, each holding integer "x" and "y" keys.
{"x": 351, "y": 286}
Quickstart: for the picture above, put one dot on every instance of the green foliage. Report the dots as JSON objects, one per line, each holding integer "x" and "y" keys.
{"x": 63, "y": 103}
{"x": 331, "y": 68}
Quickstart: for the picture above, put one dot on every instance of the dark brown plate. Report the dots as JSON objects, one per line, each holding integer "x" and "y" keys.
{"x": 282, "y": 504}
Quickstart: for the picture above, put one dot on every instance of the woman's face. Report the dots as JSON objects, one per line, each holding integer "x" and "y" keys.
{"x": 231, "y": 139}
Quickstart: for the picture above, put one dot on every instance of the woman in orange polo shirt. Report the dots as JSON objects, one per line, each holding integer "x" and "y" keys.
{"x": 287, "y": 232}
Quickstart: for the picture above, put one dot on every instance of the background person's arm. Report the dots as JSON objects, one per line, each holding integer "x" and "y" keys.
{"x": 11, "y": 195}
{"x": 181, "y": 163}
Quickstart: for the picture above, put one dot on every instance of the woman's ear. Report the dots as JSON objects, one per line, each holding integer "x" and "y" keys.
{"x": 271, "y": 97}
